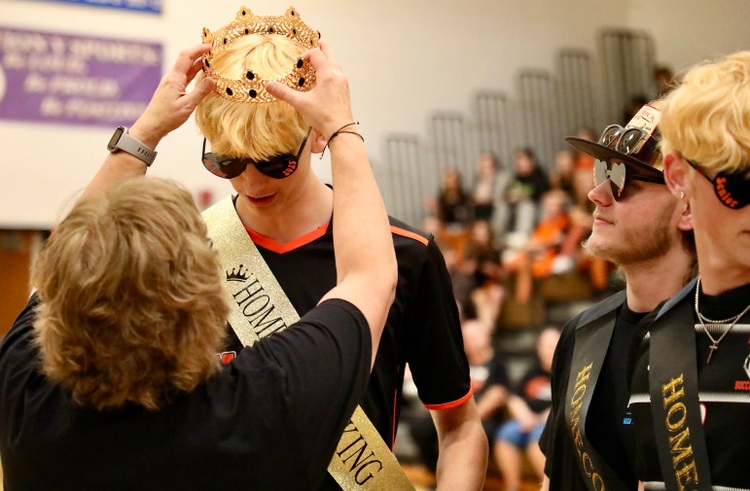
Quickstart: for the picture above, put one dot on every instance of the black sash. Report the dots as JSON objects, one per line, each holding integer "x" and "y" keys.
{"x": 592, "y": 338}
{"x": 675, "y": 407}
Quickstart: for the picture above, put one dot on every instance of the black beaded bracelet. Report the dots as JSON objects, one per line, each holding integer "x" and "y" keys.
{"x": 338, "y": 132}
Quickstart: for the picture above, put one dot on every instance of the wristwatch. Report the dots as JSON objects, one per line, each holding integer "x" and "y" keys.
{"x": 121, "y": 140}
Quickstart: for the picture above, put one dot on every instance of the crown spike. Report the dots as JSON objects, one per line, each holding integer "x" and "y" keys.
{"x": 239, "y": 275}
{"x": 251, "y": 88}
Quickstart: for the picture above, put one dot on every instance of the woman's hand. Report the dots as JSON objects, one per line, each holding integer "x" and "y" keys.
{"x": 171, "y": 104}
{"x": 327, "y": 106}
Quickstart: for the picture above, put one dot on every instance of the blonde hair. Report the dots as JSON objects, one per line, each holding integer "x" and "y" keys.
{"x": 706, "y": 117}
{"x": 131, "y": 303}
{"x": 256, "y": 131}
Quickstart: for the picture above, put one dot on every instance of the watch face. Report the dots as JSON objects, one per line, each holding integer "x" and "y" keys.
{"x": 115, "y": 138}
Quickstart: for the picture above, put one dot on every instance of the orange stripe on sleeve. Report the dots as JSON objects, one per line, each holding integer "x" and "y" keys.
{"x": 406, "y": 233}
{"x": 450, "y": 405}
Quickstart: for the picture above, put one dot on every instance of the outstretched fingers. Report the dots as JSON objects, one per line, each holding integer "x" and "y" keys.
{"x": 199, "y": 92}
{"x": 194, "y": 56}
{"x": 195, "y": 69}
{"x": 322, "y": 61}
{"x": 189, "y": 56}
{"x": 333, "y": 60}
{"x": 172, "y": 104}
{"x": 326, "y": 106}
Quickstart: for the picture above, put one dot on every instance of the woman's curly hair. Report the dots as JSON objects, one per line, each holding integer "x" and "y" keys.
{"x": 131, "y": 303}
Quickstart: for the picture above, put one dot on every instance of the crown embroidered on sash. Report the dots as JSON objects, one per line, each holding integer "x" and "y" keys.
{"x": 251, "y": 88}
{"x": 240, "y": 275}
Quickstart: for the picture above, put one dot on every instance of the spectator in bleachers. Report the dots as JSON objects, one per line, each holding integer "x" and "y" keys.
{"x": 454, "y": 205}
{"x": 572, "y": 255}
{"x": 536, "y": 258}
{"x": 489, "y": 191}
{"x": 634, "y": 105}
{"x": 528, "y": 407}
{"x": 489, "y": 380}
{"x": 524, "y": 191}
{"x": 454, "y": 210}
{"x": 563, "y": 175}
{"x": 597, "y": 269}
{"x": 664, "y": 80}
{"x": 483, "y": 258}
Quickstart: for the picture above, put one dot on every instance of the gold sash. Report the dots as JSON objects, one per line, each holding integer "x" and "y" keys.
{"x": 259, "y": 307}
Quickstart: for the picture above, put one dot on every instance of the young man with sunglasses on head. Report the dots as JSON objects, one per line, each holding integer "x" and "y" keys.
{"x": 691, "y": 385}
{"x": 638, "y": 225}
{"x": 280, "y": 223}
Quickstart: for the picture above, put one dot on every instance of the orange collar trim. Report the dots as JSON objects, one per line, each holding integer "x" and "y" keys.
{"x": 280, "y": 248}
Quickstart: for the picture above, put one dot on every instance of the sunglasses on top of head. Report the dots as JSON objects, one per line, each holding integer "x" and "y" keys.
{"x": 626, "y": 141}
{"x": 277, "y": 167}
{"x": 731, "y": 188}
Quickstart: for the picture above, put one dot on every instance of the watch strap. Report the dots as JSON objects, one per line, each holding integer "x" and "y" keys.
{"x": 127, "y": 143}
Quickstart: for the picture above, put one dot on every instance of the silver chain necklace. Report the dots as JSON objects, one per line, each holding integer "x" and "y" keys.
{"x": 714, "y": 342}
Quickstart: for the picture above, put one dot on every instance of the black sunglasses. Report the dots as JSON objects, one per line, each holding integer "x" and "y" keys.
{"x": 621, "y": 174}
{"x": 628, "y": 141}
{"x": 277, "y": 167}
{"x": 624, "y": 139}
{"x": 732, "y": 189}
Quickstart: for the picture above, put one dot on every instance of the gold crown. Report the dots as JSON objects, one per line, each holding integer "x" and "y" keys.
{"x": 251, "y": 88}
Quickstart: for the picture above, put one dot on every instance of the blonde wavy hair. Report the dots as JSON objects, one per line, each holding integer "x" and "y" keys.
{"x": 706, "y": 117}
{"x": 256, "y": 131}
{"x": 131, "y": 303}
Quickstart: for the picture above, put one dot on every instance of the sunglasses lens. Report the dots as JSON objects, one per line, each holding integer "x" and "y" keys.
{"x": 629, "y": 141}
{"x": 600, "y": 172}
{"x": 616, "y": 191}
{"x": 609, "y": 135}
{"x": 614, "y": 172}
{"x": 224, "y": 167}
{"x": 278, "y": 167}
{"x": 733, "y": 190}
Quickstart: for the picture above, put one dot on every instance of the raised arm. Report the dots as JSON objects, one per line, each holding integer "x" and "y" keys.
{"x": 170, "y": 107}
{"x": 365, "y": 259}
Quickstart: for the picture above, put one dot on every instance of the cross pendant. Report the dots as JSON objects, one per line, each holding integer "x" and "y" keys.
{"x": 711, "y": 348}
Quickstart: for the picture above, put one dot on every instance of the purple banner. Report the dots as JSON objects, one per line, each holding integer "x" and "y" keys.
{"x": 152, "y": 6}
{"x": 58, "y": 78}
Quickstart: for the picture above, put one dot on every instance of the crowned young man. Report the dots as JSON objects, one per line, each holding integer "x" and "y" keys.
{"x": 275, "y": 240}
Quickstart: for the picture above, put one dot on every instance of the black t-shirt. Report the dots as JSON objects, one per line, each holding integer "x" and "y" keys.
{"x": 724, "y": 393}
{"x": 534, "y": 388}
{"x": 533, "y": 185}
{"x": 270, "y": 419}
{"x": 422, "y": 327}
{"x": 498, "y": 375}
{"x": 492, "y": 373}
{"x": 609, "y": 423}
{"x": 607, "y": 427}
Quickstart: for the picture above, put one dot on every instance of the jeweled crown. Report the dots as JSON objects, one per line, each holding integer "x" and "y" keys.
{"x": 251, "y": 88}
